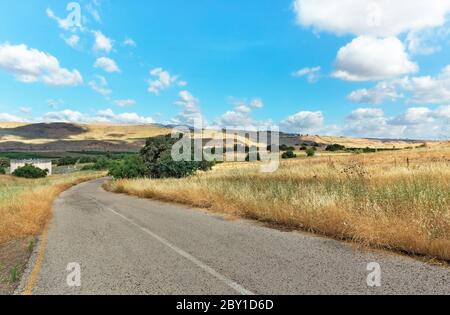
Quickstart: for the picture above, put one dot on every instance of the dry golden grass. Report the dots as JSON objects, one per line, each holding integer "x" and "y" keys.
{"x": 391, "y": 200}
{"x": 25, "y": 205}
{"x": 362, "y": 142}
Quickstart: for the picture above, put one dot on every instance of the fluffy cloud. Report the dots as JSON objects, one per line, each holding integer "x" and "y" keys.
{"x": 191, "y": 114}
{"x": 126, "y": 118}
{"x": 361, "y": 60}
{"x": 5, "y": 117}
{"x": 102, "y": 43}
{"x": 256, "y": 103}
{"x": 100, "y": 85}
{"x": 30, "y": 65}
{"x": 427, "y": 89}
{"x": 105, "y": 116}
{"x": 107, "y": 64}
{"x": 367, "y": 17}
{"x": 163, "y": 80}
{"x": 125, "y": 103}
{"x": 241, "y": 115}
{"x": 378, "y": 95}
{"x": 371, "y": 122}
{"x": 303, "y": 122}
{"x": 72, "y": 40}
{"x": 67, "y": 116}
{"x": 414, "y": 123}
{"x": 312, "y": 74}
{"x": 417, "y": 90}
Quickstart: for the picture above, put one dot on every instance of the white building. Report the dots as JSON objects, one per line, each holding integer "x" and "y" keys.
{"x": 42, "y": 164}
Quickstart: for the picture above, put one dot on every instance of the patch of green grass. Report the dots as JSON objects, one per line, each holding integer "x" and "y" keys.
{"x": 14, "y": 274}
{"x": 31, "y": 245}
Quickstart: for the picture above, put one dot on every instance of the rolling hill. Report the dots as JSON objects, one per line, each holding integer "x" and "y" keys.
{"x": 62, "y": 137}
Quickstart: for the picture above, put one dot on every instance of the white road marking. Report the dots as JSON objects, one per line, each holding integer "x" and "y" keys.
{"x": 238, "y": 288}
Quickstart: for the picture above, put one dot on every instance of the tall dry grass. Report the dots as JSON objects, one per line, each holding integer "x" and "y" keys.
{"x": 393, "y": 200}
{"x": 25, "y": 205}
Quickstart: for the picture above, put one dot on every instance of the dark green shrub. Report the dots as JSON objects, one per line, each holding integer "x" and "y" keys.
{"x": 335, "y": 147}
{"x": 289, "y": 155}
{"x": 310, "y": 152}
{"x": 88, "y": 159}
{"x": 30, "y": 171}
{"x": 4, "y": 163}
{"x": 102, "y": 164}
{"x": 2, "y": 171}
{"x": 130, "y": 167}
{"x": 283, "y": 147}
{"x": 67, "y": 160}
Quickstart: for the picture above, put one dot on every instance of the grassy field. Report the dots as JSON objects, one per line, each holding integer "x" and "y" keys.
{"x": 391, "y": 200}
{"x": 25, "y": 205}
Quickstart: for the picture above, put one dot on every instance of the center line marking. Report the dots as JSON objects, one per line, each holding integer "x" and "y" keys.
{"x": 238, "y": 288}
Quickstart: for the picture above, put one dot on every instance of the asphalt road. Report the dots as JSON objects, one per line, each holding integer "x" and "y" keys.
{"x": 126, "y": 245}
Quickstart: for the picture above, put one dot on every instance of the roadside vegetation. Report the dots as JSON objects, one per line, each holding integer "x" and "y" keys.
{"x": 397, "y": 200}
{"x": 25, "y": 204}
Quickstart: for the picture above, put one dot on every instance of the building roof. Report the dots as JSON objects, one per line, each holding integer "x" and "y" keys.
{"x": 31, "y": 161}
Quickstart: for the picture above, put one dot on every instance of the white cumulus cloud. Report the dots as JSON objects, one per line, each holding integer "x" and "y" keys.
{"x": 107, "y": 64}
{"x": 30, "y": 65}
{"x": 383, "y": 18}
{"x": 367, "y": 58}
{"x": 163, "y": 80}
{"x": 102, "y": 43}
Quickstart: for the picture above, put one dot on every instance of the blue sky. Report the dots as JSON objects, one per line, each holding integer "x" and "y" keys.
{"x": 360, "y": 68}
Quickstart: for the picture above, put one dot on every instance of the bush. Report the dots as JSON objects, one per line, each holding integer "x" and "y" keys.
{"x": 310, "y": 152}
{"x": 102, "y": 164}
{"x": 4, "y": 163}
{"x": 289, "y": 155}
{"x": 283, "y": 147}
{"x": 67, "y": 160}
{"x": 88, "y": 159}
{"x": 157, "y": 156}
{"x": 130, "y": 167}
{"x": 30, "y": 171}
{"x": 335, "y": 147}
{"x": 2, "y": 171}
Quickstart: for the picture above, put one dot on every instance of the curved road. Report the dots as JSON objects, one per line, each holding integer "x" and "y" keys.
{"x": 126, "y": 245}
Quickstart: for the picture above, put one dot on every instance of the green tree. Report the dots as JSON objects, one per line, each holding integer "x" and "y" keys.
{"x": 157, "y": 156}
{"x": 30, "y": 171}
{"x": 289, "y": 155}
{"x": 131, "y": 167}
